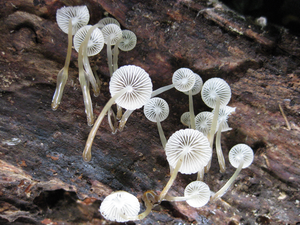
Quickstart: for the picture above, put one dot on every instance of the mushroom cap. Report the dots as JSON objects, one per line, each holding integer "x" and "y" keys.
{"x": 203, "y": 122}
{"x": 107, "y": 20}
{"x": 215, "y": 87}
{"x": 138, "y": 79}
{"x": 185, "y": 119}
{"x": 156, "y": 107}
{"x": 119, "y": 203}
{"x": 113, "y": 32}
{"x": 241, "y": 152}
{"x": 128, "y": 41}
{"x": 224, "y": 113}
{"x": 193, "y": 145}
{"x": 95, "y": 44}
{"x": 200, "y": 191}
{"x": 183, "y": 79}
{"x": 197, "y": 86}
{"x": 78, "y": 14}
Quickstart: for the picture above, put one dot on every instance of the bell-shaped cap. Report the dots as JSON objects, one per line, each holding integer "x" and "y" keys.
{"x": 128, "y": 41}
{"x": 194, "y": 147}
{"x": 183, "y": 79}
{"x": 156, "y": 108}
{"x": 107, "y": 20}
{"x": 79, "y": 15}
{"x": 200, "y": 193}
{"x": 185, "y": 119}
{"x": 241, "y": 153}
{"x": 139, "y": 81}
{"x": 203, "y": 122}
{"x": 119, "y": 203}
{"x": 197, "y": 86}
{"x": 113, "y": 32}
{"x": 95, "y": 43}
{"x": 213, "y": 88}
{"x": 224, "y": 113}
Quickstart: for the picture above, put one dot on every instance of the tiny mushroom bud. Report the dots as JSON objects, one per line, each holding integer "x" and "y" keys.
{"x": 185, "y": 119}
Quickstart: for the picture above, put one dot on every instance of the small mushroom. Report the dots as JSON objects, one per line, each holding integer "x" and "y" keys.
{"x": 185, "y": 119}
{"x": 203, "y": 122}
{"x": 131, "y": 88}
{"x": 107, "y": 20}
{"x": 240, "y": 156}
{"x": 157, "y": 110}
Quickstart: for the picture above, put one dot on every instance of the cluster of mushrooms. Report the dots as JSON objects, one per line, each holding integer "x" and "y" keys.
{"x": 188, "y": 151}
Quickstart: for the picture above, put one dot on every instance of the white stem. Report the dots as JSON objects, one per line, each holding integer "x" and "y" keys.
{"x": 161, "y": 133}
{"x": 124, "y": 119}
{"x": 191, "y": 109}
{"x": 112, "y": 123}
{"x": 119, "y": 112}
{"x": 219, "y": 151}
{"x": 161, "y": 90}
{"x": 109, "y": 56}
{"x": 116, "y": 55}
{"x": 179, "y": 198}
{"x": 87, "y": 155}
{"x": 200, "y": 175}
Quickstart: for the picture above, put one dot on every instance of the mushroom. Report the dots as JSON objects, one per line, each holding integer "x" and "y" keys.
{"x": 203, "y": 122}
{"x": 131, "y": 88}
{"x": 240, "y": 156}
{"x": 185, "y": 119}
{"x": 69, "y": 19}
{"x": 107, "y": 20}
{"x": 157, "y": 110}
{"x": 119, "y": 205}
{"x": 196, "y": 194}
{"x": 187, "y": 151}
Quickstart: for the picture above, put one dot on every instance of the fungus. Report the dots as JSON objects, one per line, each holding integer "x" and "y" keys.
{"x": 185, "y": 119}
{"x": 131, "y": 88}
{"x": 119, "y": 205}
{"x": 69, "y": 20}
{"x": 187, "y": 151}
{"x": 203, "y": 122}
{"x": 107, "y": 20}
{"x": 157, "y": 110}
{"x": 240, "y": 156}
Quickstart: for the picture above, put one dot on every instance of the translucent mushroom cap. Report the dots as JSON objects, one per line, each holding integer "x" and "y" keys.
{"x": 139, "y": 81}
{"x": 224, "y": 113}
{"x": 197, "y": 86}
{"x": 128, "y": 40}
{"x": 113, "y": 32}
{"x": 107, "y": 20}
{"x": 78, "y": 14}
{"x": 193, "y": 145}
{"x": 215, "y": 87}
{"x": 241, "y": 152}
{"x": 185, "y": 119}
{"x": 203, "y": 122}
{"x": 183, "y": 79}
{"x": 95, "y": 44}
{"x": 119, "y": 203}
{"x": 156, "y": 108}
{"x": 200, "y": 192}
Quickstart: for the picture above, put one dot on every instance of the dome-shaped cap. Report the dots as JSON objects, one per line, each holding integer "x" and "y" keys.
{"x": 95, "y": 44}
{"x": 183, "y": 79}
{"x": 113, "y": 32}
{"x": 156, "y": 108}
{"x": 119, "y": 203}
{"x": 197, "y": 86}
{"x": 107, "y": 20}
{"x": 200, "y": 192}
{"x": 203, "y": 122}
{"x": 79, "y": 16}
{"x": 241, "y": 152}
{"x": 128, "y": 40}
{"x": 136, "y": 78}
{"x": 185, "y": 119}
{"x": 224, "y": 113}
{"x": 193, "y": 145}
{"x": 215, "y": 87}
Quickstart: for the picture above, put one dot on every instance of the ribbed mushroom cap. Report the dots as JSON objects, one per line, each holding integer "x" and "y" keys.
{"x": 107, "y": 20}
{"x": 156, "y": 108}
{"x": 224, "y": 113}
{"x": 193, "y": 145}
{"x": 128, "y": 40}
{"x": 136, "y": 78}
{"x": 197, "y": 86}
{"x": 113, "y": 32}
{"x": 241, "y": 152}
{"x": 78, "y": 14}
{"x": 215, "y": 87}
{"x": 185, "y": 119}
{"x": 200, "y": 191}
{"x": 119, "y": 203}
{"x": 183, "y": 79}
{"x": 95, "y": 43}
{"x": 203, "y": 122}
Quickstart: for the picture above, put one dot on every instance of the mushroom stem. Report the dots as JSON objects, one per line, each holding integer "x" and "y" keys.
{"x": 191, "y": 109}
{"x": 109, "y": 56}
{"x": 223, "y": 190}
{"x": 172, "y": 179}
{"x": 161, "y": 133}
{"x": 119, "y": 112}
{"x": 116, "y": 55}
{"x": 87, "y": 155}
{"x": 62, "y": 76}
{"x": 161, "y": 90}
{"x": 200, "y": 175}
{"x": 112, "y": 123}
{"x": 219, "y": 151}
{"x": 179, "y": 199}
{"x": 124, "y": 119}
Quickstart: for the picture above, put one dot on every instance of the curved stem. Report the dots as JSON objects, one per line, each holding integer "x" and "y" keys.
{"x": 161, "y": 90}
{"x": 116, "y": 55}
{"x": 191, "y": 109}
{"x": 161, "y": 133}
{"x": 62, "y": 76}
{"x": 124, "y": 119}
{"x": 87, "y": 155}
{"x": 112, "y": 123}
{"x": 223, "y": 190}
{"x": 119, "y": 112}
{"x": 109, "y": 56}
{"x": 219, "y": 151}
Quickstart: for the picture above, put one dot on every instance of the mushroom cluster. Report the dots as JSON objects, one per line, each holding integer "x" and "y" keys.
{"x": 187, "y": 151}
